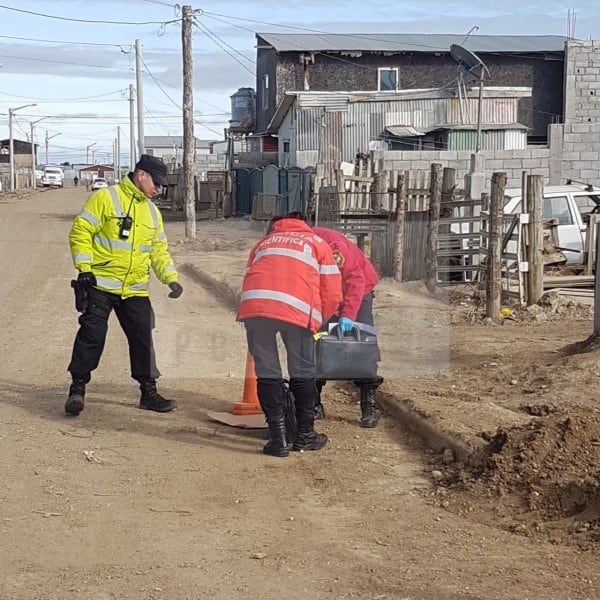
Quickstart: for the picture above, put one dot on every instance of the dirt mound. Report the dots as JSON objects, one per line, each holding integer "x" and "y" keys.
{"x": 541, "y": 480}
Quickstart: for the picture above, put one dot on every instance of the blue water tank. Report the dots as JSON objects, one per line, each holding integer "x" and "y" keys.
{"x": 242, "y": 105}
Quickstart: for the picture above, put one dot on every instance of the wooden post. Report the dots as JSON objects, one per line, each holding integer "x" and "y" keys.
{"x": 188, "y": 124}
{"x": 493, "y": 290}
{"x": 535, "y": 275}
{"x": 596, "y": 283}
{"x": 435, "y": 200}
{"x": 378, "y": 187}
{"x": 399, "y": 222}
{"x": 448, "y": 187}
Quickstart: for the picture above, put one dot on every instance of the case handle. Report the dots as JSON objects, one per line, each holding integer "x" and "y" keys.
{"x": 341, "y": 336}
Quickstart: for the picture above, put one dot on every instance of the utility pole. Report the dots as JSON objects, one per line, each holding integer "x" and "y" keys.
{"x": 48, "y": 138}
{"x": 114, "y": 157}
{"x": 188, "y": 124}
{"x": 33, "y": 154}
{"x": 11, "y": 144}
{"x": 132, "y": 160}
{"x": 118, "y": 173}
{"x": 87, "y": 153}
{"x": 140, "y": 95}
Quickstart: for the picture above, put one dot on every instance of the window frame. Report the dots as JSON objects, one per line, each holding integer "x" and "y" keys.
{"x": 380, "y": 70}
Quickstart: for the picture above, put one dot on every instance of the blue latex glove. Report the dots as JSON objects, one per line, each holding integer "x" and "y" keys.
{"x": 345, "y": 324}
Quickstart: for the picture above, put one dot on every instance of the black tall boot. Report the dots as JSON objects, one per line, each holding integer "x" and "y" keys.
{"x": 368, "y": 409}
{"x": 75, "y": 401}
{"x": 277, "y": 444}
{"x": 270, "y": 396}
{"x": 319, "y": 410}
{"x": 152, "y": 400}
{"x": 305, "y": 393}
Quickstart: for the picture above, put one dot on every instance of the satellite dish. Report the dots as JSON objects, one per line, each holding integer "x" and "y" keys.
{"x": 469, "y": 62}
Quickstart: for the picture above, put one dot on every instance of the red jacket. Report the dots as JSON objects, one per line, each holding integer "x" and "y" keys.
{"x": 358, "y": 274}
{"x": 291, "y": 275}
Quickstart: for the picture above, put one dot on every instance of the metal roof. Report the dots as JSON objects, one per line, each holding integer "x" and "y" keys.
{"x": 410, "y": 131}
{"x": 409, "y": 42}
{"x": 167, "y": 141}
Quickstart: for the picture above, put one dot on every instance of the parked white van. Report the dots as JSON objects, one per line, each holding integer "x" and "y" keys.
{"x": 570, "y": 205}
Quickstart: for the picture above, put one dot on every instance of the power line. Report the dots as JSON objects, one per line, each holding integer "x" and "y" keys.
{"x": 221, "y": 43}
{"x": 60, "y": 99}
{"x": 24, "y": 39}
{"x": 37, "y": 14}
{"x": 161, "y": 3}
{"x": 64, "y": 62}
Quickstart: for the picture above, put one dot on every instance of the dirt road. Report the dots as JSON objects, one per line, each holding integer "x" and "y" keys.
{"x": 119, "y": 503}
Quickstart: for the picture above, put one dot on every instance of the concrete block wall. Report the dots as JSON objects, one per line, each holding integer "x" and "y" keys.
{"x": 581, "y": 137}
{"x": 535, "y": 161}
{"x": 209, "y": 162}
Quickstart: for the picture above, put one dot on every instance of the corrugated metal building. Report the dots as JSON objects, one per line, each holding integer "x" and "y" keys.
{"x": 330, "y": 127}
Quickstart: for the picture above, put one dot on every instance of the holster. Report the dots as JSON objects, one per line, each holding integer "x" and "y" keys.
{"x": 81, "y": 295}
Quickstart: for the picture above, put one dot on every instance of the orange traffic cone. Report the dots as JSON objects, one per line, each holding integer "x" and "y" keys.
{"x": 249, "y": 404}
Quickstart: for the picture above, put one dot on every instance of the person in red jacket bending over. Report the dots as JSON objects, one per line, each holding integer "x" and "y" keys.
{"x": 292, "y": 287}
{"x": 359, "y": 279}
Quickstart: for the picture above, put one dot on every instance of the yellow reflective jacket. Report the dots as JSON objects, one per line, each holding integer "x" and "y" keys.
{"x": 121, "y": 265}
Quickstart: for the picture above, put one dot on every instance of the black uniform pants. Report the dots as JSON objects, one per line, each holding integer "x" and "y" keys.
{"x": 261, "y": 334}
{"x": 136, "y": 318}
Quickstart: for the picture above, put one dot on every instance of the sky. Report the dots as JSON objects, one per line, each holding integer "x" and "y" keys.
{"x": 74, "y": 59}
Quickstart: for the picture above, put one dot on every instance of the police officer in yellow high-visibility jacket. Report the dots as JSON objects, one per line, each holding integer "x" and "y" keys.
{"x": 114, "y": 241}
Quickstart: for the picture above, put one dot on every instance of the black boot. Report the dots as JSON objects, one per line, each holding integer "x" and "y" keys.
{"x": 319, "y": 410}
{"x": 277, "y": 444}
{"x": 305, "y": 394}
{"x": 75, "y": 401}
{"x": 152, "y": 400}
{"x": 369, "y": 416}
{"x": 271, "y": 397}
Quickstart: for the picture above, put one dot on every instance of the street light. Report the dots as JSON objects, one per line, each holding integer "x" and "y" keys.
{"x": 33, "y": 156}
{"x": 47, "y": 139}
{"x": 11, "y": 144}
{"x": 87, "y": 153}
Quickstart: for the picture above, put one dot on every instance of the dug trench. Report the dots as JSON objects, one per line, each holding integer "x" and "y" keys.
{"x": 538, "y": 478}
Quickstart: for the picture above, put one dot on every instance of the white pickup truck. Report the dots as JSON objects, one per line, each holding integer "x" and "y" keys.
{"x": 53, "y": 176}
{"x": 570, "y": 206}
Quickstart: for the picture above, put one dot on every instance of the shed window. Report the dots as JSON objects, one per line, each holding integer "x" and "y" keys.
{"x": 387, "y": 80}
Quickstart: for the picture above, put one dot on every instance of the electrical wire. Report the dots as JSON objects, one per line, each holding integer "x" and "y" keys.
{"x": 64, "y": 62}
{"x": 96, "y": 21}
{"x": 61, "y": 99}
{"x": 222, "y": 43}
{"x": 24, "y": 39}
{"x": 161, "y": 3}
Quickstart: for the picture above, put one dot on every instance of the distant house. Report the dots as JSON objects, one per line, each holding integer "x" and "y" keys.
{"x": 22, "y": 152}
{"x": 393, "y": 62}
{"x": 330, "y": 127}
{"x": 91, "y": 172}
{"x": 170, "y": 147}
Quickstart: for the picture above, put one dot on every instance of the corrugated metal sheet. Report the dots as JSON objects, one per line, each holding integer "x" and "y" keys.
{"x": 491, "y": 139}
{"x": 404, "y": 42}
{"x": 362, "y": 122}
{"x": 493, "y": 110}
{"x": 461, "y": 139}
{"x": 515, "y": 140}
{"x": 331, "y": 102}
{"x": 404, "y": 131}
